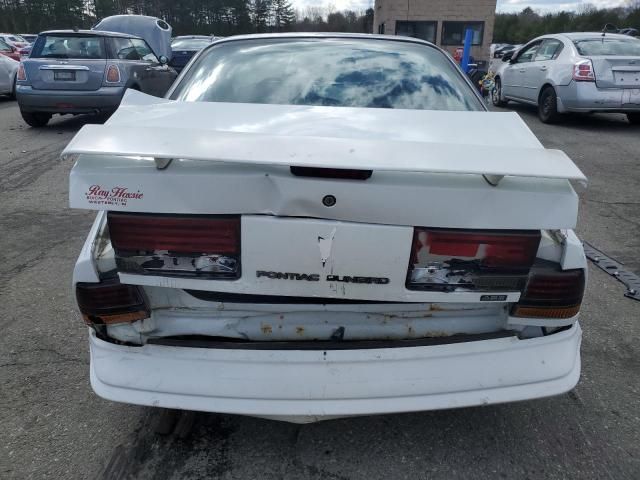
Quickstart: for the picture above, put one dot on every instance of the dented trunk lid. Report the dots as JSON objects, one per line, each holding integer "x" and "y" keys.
{"x": 617, "y": 72}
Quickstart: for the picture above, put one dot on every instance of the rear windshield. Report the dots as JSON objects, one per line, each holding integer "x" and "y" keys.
{"x": 608, "y": 46}
{"x": 190, "y": 43}
{"x": 330, "y": 72}
{"x": 57, "y": 46}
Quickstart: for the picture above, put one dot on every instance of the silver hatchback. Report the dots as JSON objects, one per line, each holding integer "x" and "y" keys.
{"x": 74, "y": 72}
{"x": 573, "y": 72}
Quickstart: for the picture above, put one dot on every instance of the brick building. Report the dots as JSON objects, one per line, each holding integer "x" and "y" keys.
{"x": 442, "y": 22}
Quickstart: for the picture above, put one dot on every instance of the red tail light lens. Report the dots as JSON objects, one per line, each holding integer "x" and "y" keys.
{"x": 552, "y": 295}
{"x": 21, "y": 76}
{"x": 481, "y": 260}
{"x": 176, "y": 245}
{"x": 113, "y": 74}
{"x": 111, "y": 302}
{"x": 583, "y": 71}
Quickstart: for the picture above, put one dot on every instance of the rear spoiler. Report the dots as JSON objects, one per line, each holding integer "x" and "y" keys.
{"x": 165, "y": 144}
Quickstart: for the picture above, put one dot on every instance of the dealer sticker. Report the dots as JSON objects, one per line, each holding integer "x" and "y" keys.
{"x": 115, "y": 196}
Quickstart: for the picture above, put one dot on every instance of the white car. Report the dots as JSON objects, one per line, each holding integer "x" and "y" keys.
{"x": 313, "y": 226}
{"x": 8, "y": 71}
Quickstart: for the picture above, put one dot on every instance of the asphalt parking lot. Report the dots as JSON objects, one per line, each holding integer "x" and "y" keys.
{"x": 52, "y": 425}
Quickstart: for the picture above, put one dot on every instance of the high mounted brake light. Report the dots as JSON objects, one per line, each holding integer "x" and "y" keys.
{"x": 186, "y": 245}
{"x": 111, "y": 302}
{"x": 477, "y": 260}
{"x": 333, "y": 173}
{"x": 552, "y": 295}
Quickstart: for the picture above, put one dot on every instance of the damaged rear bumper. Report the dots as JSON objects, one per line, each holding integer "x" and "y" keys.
{"x": 305, "y": 386}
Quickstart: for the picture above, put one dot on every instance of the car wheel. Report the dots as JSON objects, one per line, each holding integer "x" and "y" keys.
{"x": 634, "y": 118}
{"x": 496, "y": 94}
{"x": 548, "y": 106}
{"x": 36, "y": 119}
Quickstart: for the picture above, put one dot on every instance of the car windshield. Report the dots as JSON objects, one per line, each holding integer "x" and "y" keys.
{"x": 190, "y": 43}
{"x": 330, "y": 72}
{"x": 608, "y": 46}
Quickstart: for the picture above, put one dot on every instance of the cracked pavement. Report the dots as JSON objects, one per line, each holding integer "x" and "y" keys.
{"x": 52, "y": 425}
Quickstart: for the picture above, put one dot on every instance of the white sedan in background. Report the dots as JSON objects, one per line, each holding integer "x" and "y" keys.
{"x": 8, "y": 70}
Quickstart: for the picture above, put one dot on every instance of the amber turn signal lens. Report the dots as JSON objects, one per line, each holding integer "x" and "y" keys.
{"x": 541, "y": 312}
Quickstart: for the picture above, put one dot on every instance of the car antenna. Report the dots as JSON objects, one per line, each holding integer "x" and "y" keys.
{"x": 608, "y": 27}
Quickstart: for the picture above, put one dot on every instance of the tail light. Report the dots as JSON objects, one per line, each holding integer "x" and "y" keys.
{"x": 111, "y": 302}
{"x": 552, "y": 295}
{"x": 194, "y": 246}
{"x": 583, "y": 71}
{"x": 21, "y": 76}
{"x": 479, "y": 260}
{"x": 113, "y": 74}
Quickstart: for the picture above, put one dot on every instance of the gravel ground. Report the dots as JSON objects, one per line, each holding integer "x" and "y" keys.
{"x": 52, "y": 425}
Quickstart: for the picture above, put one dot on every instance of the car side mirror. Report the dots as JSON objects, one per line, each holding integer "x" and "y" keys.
{"x": 507, "y": 57}
{"x": 163, "y": 60}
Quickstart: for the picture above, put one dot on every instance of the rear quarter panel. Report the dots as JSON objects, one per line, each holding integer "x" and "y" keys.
{"x": 561, "y": 71}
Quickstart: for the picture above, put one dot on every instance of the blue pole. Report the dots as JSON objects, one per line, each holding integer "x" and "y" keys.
{"x": 468, "y": 38}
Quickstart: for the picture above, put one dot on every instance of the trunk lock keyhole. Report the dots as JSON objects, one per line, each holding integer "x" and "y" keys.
{"x": 329, "y": 201}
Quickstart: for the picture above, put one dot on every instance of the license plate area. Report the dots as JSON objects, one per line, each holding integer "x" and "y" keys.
{"x": 64, "y": 76}
{"x": 627, "y": 79}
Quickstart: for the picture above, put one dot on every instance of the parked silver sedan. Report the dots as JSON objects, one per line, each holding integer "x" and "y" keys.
{"x": 8, "y": 69}
{"x": 573, "y": 72}
{"x": 86, "y": 71}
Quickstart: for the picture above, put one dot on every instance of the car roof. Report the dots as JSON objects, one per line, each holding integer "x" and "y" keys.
{"x": 594, "y": 35}
{"x": 88, "y": 33}
{"x": 354, "y": 36}
{"x": 192, "y": 37}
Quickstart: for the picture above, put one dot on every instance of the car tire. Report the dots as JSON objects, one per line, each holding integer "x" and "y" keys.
{"x": 36, "y": 119}
{"x": 496, "y": 94}
{"x": 548, "y": 106}
{"x": 634, "y": 118}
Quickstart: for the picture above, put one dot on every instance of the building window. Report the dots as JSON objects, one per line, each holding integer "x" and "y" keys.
{"x": 453, "y": 32}
{"x": 423, "y": 30}
{"x": 381, "y": 29}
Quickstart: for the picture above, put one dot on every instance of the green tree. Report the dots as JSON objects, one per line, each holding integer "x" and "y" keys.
{"x": 283, "y": 15}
